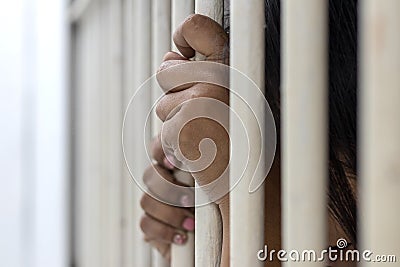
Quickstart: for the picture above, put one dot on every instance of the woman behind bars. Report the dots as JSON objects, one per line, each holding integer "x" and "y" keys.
{"x": 163, "y": 224}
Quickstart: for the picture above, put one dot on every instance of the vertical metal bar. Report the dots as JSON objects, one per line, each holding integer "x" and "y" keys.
{"x": 304, "y": 132}
{"x": 87, "y": 149}
{"x": 379, "y": 128}
{"x": 137, "y": 69}
{"x": 208, "y": 235}
{"x": 182, "y": 256}
{"x": 180, "y": 9}
{"x": 98, "y": 158}
{"x": 211, "y": 8}
{"x": 161, "y": 44}
{"x": 247, "y": 56}
{"x": 130, "y": 213}
{"x": 110, "y": 117}
{"x": 142, "y": 71}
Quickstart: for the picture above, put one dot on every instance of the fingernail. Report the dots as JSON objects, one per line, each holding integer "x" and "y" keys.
{"x": 188, "y": 224}
{"x": 168, "y": 163}
{"x": 185, "y": 201}
{"x": 179, "y": 239}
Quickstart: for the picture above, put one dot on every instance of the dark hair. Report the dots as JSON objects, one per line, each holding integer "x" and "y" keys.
{"x": 342, "y": 101}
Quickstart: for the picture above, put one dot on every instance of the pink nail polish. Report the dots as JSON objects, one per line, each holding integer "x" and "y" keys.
{"x": 168, "y": 164}
{"x": 188, "y": 224}
{"x": 179, "y": 239}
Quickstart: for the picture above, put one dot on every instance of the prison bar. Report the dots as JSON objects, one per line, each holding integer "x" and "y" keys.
{"x": 208, "y": 225}
{"x": 162, "y": 19}
{"x": 246, "y": 55}
{"x": 137, "y": 69}
{"x": 208, "y": 234}
{"x": 180, "y": 9}
{"x": 304, "y": 126}
{"x": 161, "y": 41}
{"x": 161, "y": 44}
{"x": 182, "y": 256}
{"x": 379, "y": 94}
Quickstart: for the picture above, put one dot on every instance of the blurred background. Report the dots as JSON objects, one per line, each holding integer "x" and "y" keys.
{"x": 66, "y": 198}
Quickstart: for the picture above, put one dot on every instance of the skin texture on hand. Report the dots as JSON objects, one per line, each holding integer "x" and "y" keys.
{"x": 164, "y": 224}
{"x": 203, "y": 35}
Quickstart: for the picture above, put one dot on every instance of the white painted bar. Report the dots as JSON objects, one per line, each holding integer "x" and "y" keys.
{"x": 87, "y": 151}
{"x": 161, "y": 44}
{"x": 77, "y": 9}
{"x": 247, "y": 55}
{"x": 208, "y": 235}
{"x": 182, "y": 256}
{"x": 98, "y": 117}
{"x": 130, "y": 213}
{"x": 111, "y": 114}
{"x": 211, "y": 8}
{"x": 137, "y": 68}
{"x": 304, "y": 129}
{"x": 180, "y": 9}
{"x": 379, "y": 173}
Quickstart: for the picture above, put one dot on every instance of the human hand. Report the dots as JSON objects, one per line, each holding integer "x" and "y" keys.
{"x": 164, "y": 224}
{"x": 183, "y": 131}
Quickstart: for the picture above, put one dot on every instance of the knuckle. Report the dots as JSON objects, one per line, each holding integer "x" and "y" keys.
{"x": 144, "y": 222}
{"x": 156, "y": 148}
{"x": 166, "y": 234}
{"x": 196, "y": 94}
{"x": 164, "y": 65}
{"x": 144, "y": 201}
{"x": 169, "y": 141}
{"x": 169, "y": 130}
{"x": 148, "y": 175}
{"x": 195, "y": 20}
{"x": 161, "y": 108}
{"x": 176, "y": 218}
{"x": 167, "y": 55}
